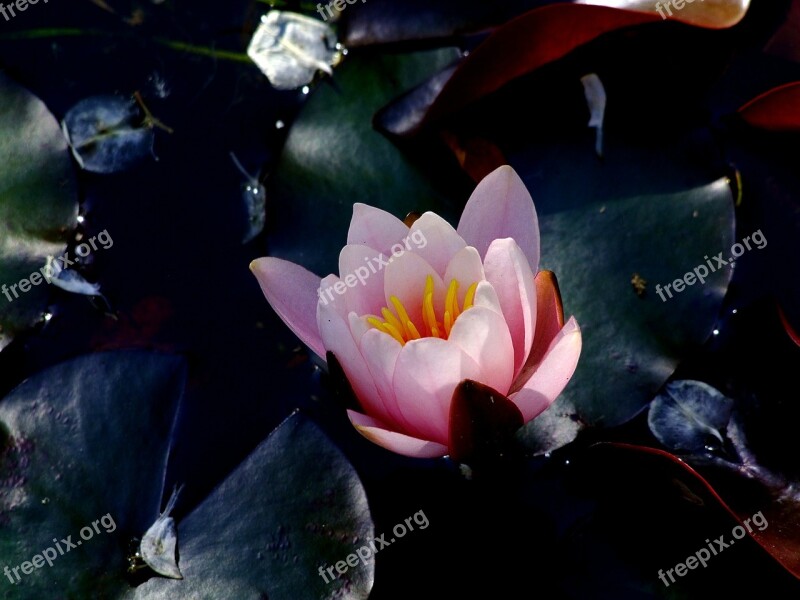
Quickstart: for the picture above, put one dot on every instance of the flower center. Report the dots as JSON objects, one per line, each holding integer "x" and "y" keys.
{"x": 399, "y": 325}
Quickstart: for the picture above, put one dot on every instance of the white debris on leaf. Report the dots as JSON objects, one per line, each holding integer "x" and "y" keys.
{"x": 158, "y": 547}
{"x": 291, "y": 48}
{"x": 69, "y": 280}
{"x": 596, "y": 99}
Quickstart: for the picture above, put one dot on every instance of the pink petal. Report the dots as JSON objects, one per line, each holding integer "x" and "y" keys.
{"x": 553, "y": 373}
{"x": 501, "y": 207}
{"x": 405, "y": 278}
{"x": 338, "y": 338}
{"x": 483, "y": 334}
{"x": 508, "y": 271}
{"x": 332, "y": 294}
{"x": 375, "y": 228}
{"x": 426, "y": 373}
{"x": 549, "y": 321}
{"x": 486, "y": 297}
{"x": 291, "y": 290}
{"x": 361, "y": 269}
{"x": 466, "y": 267}
{"x": 440, "y": 242}
{"x": 399, "y": 443}
{"x": 380, "y": 351}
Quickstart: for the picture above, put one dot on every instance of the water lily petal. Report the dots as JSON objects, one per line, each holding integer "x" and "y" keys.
{"x": 508, "y": 271}
{"x": 553, "y": 373}
{"x": 405, "y": 278}
{"x": 466, "y": 267}
{"x": 442, "y": 242}
{"x": 338, "y": 338}
{"x": 406, "y": 445}
{"x": 375, "y": 228}
{"x": 380, "y": 351}
{"x": 361, "y": 269}
{"x": 483, "y": 334}
{"x": 549, "y": 322}
{"x": 501, "y": 207}
{"x": 426, "y": 373}
{"x": 291, "y": 290}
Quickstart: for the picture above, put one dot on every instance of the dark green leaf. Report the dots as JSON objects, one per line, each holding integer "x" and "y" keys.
{"x": 319, "y": 176}
{"x": 85, "y": 439}
{"x": 293, "y": 506}
{"x": 37, "y": 203}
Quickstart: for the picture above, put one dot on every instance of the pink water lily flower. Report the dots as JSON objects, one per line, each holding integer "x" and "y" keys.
{"x": 415, "y": 311}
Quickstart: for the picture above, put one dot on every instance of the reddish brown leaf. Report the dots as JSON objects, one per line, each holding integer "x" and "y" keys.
{"x": 482, "y": 422}
{"x": 775, "y": 110}
{"x": 523, "y": 45}
{"x": 781, "y": 538}
{"x": 793, "y": 335}
{"x": 477, "y": 156}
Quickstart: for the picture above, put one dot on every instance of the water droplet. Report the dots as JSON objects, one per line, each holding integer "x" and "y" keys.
{"x": 716, "y": 332}
{"x": 47, "y": 316}
{"x": 305, "y": 89}
{"x": 45, "y": 501}
{"x": 81, "y": 219}
{"x": 279, "y": 124}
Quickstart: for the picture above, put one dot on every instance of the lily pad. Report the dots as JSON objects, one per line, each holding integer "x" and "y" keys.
{"x": 85, "y": 439}
{"x": 38, "y": 204}
{"x": 294, "y": 505}
{"x": 633, "y": 337}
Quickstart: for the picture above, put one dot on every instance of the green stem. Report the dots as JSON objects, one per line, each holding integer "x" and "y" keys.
{"x": 51, "y": 32}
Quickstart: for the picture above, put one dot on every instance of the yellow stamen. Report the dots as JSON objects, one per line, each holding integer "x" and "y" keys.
{"x": 451, "y": 299}
{"x": 391, "y": 319}
{"x": 428, "y": 315}
{"x": 399, "y": 325}
{"x": 470, "y": 296}
{"x": 386, "y": 328}
{"x": 401, "y": 312}
{"x": 395, "y": 333}
{"x": 448, "y": 323}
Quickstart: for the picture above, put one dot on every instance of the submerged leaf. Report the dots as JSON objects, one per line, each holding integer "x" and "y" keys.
{"x": 596, "y": 99}
{"x": 70, "y": 280}
{"x": 291, "y": 48}
{"x": 108, "y": 134}
{"x": 690, "y": 416}
{"x": 254, "y": 195}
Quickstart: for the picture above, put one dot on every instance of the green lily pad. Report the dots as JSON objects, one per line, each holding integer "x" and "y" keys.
{"x": 85, "y": 439}
{"x": 85, "y": 451}
{"x": 295, "y": 505}
{"x": 609, "y": 258}
{"x": 38, "y": 205}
